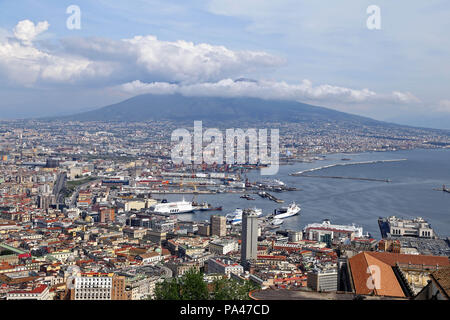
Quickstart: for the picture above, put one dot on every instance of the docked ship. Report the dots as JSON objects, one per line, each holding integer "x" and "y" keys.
{"x": 286, "y": 212}
{"x": 173, "y": 207}
{"x": 204, "y": 206}
{"x": 277, "y": 222}
{"x": 270, "y": 183}
{"x": 236, "y": 217}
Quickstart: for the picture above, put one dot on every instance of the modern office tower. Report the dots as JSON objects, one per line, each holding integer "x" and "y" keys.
{"x": 323, "y": 280}
{"x": 249, "y": 245}
{"x": 218, "y": 226}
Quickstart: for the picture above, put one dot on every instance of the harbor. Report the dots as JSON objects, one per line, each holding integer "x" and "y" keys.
{"x": 347, "y": 200}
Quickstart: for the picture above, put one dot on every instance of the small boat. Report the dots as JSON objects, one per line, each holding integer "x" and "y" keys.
{"x": 205, "y": 207}
{"x": 247, "y": 196}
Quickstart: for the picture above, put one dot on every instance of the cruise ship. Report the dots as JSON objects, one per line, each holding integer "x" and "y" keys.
{"x": 173, "y": 207}
{"x": 286, "y": 212}
{"x": 236, "y": 217}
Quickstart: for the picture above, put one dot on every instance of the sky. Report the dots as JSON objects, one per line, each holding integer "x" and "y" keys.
{"x": 319, "y": 52}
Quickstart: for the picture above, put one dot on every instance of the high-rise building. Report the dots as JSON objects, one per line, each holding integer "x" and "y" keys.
{"x": 44, "y": 201}
{"x": 218, "y": 226}
{"x": 249, "y": 244}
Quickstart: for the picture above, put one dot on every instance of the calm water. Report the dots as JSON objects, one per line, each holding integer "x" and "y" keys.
{"x": 409, "y": 194}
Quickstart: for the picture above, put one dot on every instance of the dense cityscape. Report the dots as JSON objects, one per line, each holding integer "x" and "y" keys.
{"x": 223, "y": 159}
{"x": 83, "y": 217}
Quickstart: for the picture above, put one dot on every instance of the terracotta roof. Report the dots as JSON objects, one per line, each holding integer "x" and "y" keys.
{"x": 37, "y": 290}
{"x": 149, "y": 255}
{"x": 442, "y": 277}
{"x": 393, "y": 258}
{"x": 387, "y": 285}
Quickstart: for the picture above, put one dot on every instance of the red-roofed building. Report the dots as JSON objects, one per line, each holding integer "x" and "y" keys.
{"x": 390, "y": 274}
{"x": 40, "y": 292}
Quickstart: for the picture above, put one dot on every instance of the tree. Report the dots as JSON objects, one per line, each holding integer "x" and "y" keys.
{"x": 168, "y": 290}
{"x": 191, "y": 286}
{"x": 230, "y": 289}
{"x": 188, "y": 287}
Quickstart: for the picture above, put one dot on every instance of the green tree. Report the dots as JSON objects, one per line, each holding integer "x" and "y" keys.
{"x": 230, "y": 289}
{"x": 168, "y": 290}
{"x": 191, "y": 286}
{"x": 188, "y": 287}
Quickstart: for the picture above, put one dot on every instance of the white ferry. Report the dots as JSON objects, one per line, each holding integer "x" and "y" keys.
{"x": 173, "y": 207}
{"x": 286, "y": 212}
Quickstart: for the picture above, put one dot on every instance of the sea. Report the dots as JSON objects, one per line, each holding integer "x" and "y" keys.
{"x": 409, "y": 193}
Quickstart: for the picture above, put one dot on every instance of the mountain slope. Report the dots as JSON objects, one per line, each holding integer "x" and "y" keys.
{"x": 182, "y": 108}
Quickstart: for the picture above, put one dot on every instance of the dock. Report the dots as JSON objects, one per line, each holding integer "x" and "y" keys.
{"x": 264, "y": 194}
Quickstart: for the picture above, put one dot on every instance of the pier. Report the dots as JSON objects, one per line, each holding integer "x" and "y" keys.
{"x": 299, "y": 173}
{"x": 264, "y": 194}
{"x": 349, "y": 178}
{"x": 159, "y": 191}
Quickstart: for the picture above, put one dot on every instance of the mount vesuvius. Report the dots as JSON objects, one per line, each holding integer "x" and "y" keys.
{"x": 177, "y": 107}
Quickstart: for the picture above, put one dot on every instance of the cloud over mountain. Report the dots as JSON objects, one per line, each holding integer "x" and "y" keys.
{"x": 304, "y": 91}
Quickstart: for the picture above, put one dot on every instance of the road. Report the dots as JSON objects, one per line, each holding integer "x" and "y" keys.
{"x": 58, "y": 187}
{"x": 73, "y": 199}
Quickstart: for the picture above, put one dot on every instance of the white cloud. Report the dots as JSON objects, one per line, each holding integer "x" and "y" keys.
{"x": 26, "y": 30}
{"x": 405, "y": 97}
{"x": 137, "y": 87}
{"x": 170, "y": 61}
{"x": 304, "y": 91}
{"x": 145, "y": 57}
{"x": 25, "y": 64}
{"x": 197, "y": 69}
